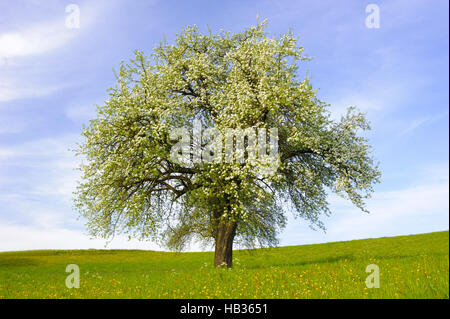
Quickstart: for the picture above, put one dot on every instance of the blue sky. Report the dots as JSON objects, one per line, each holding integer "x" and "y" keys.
{"x": 51, "y": 77}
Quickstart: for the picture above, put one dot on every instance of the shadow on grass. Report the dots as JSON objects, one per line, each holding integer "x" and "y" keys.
{"x": 17, "y": 262}
{"x": 415, "y": 256}
{"x": 328, "y": 260}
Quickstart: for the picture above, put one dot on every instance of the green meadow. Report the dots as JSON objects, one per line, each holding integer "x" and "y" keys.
{"x": 415, "y": 266}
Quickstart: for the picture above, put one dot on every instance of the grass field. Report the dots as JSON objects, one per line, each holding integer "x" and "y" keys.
{"x": 415, "y": 266}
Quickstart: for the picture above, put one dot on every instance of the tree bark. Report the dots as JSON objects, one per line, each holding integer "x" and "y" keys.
{"x": 224, "y": 244}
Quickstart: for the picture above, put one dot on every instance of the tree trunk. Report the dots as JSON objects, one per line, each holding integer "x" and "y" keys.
{"x": 224, "y": 244}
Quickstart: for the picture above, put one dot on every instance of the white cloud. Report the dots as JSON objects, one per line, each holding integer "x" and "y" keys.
{"x": 23, "y": 50}
{"x": 423, "y": 121}
{"x": 398, "y": 210}
{"x": 9, "y": 125}
{"x": 81, "y": 113}
{"x": 6, "y": 153}
{"x": 51, "y": 33}
{"x": 418, "y": 208}
{"x": 29, "y": 42}
{"x": 381, "y": 91}
{"x": 47, "y": 172}
{"x": 12, "y": 89}
{"x": 18, "y": 237}
{"x": 36, "y": 39}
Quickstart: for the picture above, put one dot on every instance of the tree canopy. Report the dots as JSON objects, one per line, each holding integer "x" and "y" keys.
{"x": 132, "y": 182}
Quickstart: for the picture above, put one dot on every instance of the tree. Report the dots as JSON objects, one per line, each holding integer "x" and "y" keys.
{"x": 140, "y": 173}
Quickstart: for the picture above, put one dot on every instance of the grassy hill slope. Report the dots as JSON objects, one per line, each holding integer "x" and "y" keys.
{"x": 415, "y": 266}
